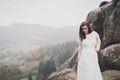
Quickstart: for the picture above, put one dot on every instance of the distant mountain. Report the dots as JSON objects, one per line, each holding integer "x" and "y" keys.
{"x": 25, "y": 37}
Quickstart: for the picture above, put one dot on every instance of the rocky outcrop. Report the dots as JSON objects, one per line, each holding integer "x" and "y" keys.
{"x": 106, "y": 21}
{"x": 66, "y": 74}
{"x": 111, "y": 75}
{"x": 110, "y": 58}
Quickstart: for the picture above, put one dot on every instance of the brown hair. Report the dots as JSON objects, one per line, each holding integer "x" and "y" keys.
{"x": 81, "y": 33}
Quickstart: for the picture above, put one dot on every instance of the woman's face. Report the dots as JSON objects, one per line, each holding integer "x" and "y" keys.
{"x": 85, "y": 29}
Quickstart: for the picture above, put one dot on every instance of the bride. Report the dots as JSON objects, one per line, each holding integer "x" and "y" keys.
{"x": 89, "y": 44}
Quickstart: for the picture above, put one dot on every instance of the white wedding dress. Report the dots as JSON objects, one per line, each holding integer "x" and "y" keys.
{"x": 88, "y": 67}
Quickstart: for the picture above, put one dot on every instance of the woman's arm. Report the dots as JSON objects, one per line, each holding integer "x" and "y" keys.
{"x": 79, "y": 49}
{"x": 98, "y": 42}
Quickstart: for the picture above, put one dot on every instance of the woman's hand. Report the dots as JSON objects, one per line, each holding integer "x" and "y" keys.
{"x": 96, "y": 49}
{"x": 78, "y": 60}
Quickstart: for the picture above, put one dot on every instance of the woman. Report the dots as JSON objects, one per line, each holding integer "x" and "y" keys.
{"x": 89, "y": 43}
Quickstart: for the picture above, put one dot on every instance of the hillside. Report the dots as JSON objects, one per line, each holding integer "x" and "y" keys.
{"x": 19, "y": 39}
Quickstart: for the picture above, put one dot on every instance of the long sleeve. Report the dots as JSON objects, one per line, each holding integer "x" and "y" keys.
{"x": 79, "y": 47}
{"x": 98, "y": 42}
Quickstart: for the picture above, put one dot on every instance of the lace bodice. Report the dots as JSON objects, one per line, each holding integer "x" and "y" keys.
{"x": 92, "y": 40}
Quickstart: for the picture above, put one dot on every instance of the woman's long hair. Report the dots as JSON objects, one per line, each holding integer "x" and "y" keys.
{"x": 81, "y": 33}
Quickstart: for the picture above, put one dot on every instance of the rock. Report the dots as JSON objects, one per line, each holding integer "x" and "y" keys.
{"x": 66, "y": 74}
{"x": 115, "y": 2}
{"x": 111, "y": 57}
{"x": 111, "y": 75}
{"x": 71, "y": 62}
{"x": 103, "y": 3}
{"x": 106, "y": 21}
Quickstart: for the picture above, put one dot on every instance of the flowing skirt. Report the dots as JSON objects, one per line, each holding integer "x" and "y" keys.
{"x": 88, "y": 66}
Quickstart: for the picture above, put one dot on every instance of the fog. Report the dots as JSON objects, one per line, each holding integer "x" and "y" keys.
{"x": 57, "y": 13}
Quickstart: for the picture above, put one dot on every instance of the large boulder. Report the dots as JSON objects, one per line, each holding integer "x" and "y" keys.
{"x": 110, "y": 57}
{"x": 106, "y": 21}
{"x": 111, "y": 75}
{"x": 65, "y": 74}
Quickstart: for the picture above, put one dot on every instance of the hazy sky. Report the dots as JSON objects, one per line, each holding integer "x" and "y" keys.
{"x": 57, "y": 13}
